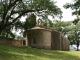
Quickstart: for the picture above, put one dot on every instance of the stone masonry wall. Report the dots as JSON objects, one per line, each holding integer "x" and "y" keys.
{"x": 9, "y": 41}
{"x": 55, "y": 40}
{"x": 42, "y": 38}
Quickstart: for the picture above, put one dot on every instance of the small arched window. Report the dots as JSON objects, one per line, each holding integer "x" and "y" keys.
{"x": 34, "y": 41}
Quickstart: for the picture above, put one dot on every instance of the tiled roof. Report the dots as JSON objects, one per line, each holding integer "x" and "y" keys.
{"x": 40, "y": 27}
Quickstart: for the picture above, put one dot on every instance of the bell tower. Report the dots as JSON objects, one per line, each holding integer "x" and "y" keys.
{"x": 39, "y": 22}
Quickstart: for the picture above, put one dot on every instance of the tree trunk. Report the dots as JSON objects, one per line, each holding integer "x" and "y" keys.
{"x": 77, "y": 45}
{"x": 1, "y": 30}
{"x": 77, "y": 48}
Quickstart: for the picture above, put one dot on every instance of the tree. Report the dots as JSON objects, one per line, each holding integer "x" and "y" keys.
{"x": 29, "y": 23}
{"x": 61, "y": 26}
{"x": 67, "y": 29}
{"x": 12, "y": 10}
{"x": 76, "y": 11}
{"x": 75, "y": 6}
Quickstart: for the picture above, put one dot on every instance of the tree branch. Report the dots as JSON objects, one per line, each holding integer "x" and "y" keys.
{"x": 9, "y": 7}
{"x": 8, "y": 17}
{"x": 14, "y": 20}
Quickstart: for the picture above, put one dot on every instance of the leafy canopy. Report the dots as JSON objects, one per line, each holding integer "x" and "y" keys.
{"x": 12, "y": 10}
{"x": 75, "y": 6}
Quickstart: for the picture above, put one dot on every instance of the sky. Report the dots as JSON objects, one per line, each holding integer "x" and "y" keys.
{"x": 67, "y": 16}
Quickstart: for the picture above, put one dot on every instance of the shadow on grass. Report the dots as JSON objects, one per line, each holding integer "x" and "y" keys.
{"x": 4, "y": 55}
{"x": 27, "y": 53}
{"x": 51, "y": 54}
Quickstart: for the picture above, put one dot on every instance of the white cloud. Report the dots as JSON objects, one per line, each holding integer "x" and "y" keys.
{"x": 67, "y": 15}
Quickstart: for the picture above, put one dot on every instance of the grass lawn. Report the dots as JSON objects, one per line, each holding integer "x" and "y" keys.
{"x": 27, "y": 53}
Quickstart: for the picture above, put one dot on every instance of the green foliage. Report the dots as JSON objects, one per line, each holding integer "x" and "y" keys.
{"x": 73, "y": 5}
{"x": 68, "y": 29}
{"x": 8, "y": 33}
{"x": 76, "y": 9}
{"x": 12, "y": 10}
{"x": 76, "y": 21}
{"x": 71, "y": 37}
{"x": 57, "y": 26}
{"x": 29, "y": 23}
{"x": 48, "y": 23}
{"x": 61, "y": 26}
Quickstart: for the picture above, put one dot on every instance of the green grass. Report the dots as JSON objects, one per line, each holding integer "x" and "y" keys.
{"x": 27, "y": 53}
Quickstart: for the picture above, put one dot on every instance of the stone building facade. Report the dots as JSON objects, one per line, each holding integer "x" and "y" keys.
{"x": 47, "y": 38}
{"x": 12, "y": 42}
